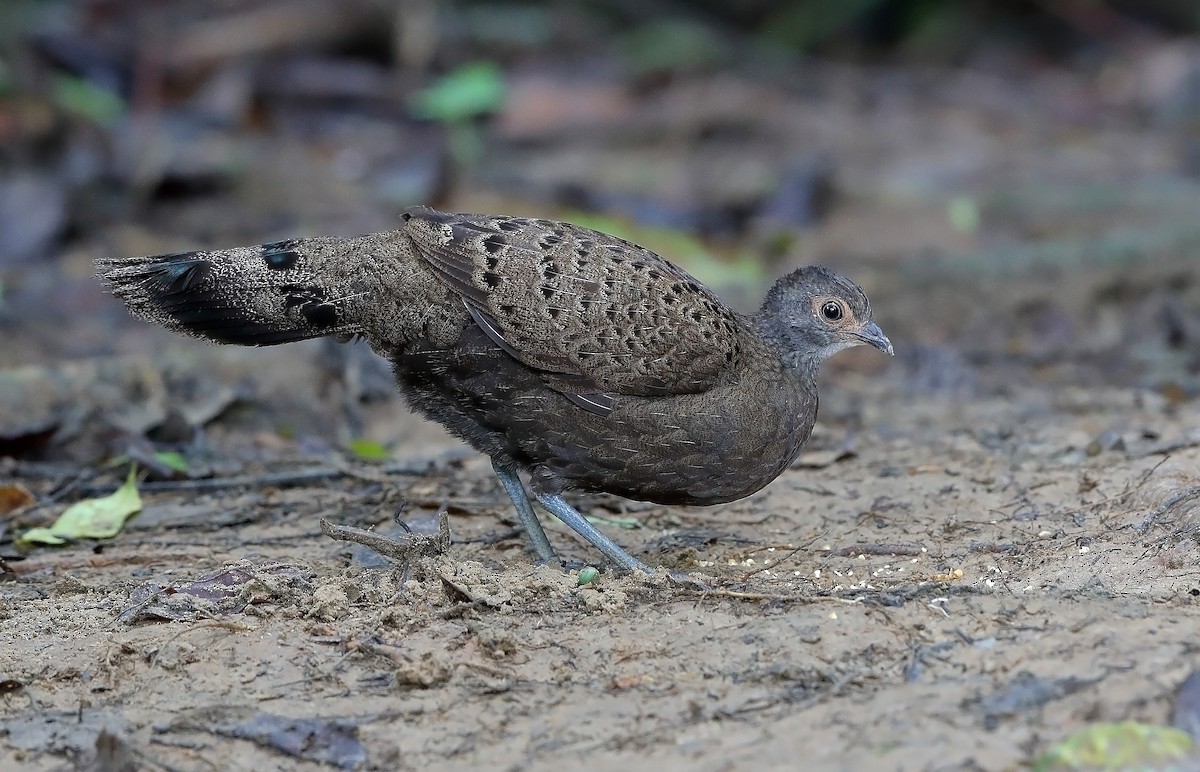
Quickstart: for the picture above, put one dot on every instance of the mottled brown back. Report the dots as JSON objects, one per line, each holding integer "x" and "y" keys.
{"x": 596, "y": 313}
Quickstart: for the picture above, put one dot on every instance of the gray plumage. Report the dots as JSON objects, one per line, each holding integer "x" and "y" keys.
{"x": 574, "y": 357}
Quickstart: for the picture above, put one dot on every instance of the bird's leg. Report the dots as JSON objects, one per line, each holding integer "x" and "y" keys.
{"x": 559, "y": 507}
{"x": 529, "y": 521}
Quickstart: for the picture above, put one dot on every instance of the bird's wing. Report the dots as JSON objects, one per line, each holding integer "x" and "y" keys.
{"x": 600, "y": 317}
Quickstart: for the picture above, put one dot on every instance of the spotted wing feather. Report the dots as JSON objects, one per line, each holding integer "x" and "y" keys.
{"x": 598, "y": 315}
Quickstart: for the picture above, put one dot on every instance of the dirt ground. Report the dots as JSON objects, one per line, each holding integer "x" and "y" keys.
{"x": 957, "y": 594}
{"x": 959, "y": 590}
{"x": 990, "y": 543}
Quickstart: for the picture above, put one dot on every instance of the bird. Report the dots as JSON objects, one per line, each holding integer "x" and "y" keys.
{"x": 575, "y": 360}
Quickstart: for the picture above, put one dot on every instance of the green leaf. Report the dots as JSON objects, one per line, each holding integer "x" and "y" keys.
{"x": 100, "y": 518}
{"x": 1127, "y": 745}
{"x": 78, "y": 96}
{"x": 963, "y": 214}
{"x": 472, "y": 90}
{"x": 370, "y": 450}
{"x": 587, "y": 575}
{"x": 172, "y": 460}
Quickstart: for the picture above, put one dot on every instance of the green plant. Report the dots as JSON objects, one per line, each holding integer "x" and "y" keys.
{"x": 457, "y": 100}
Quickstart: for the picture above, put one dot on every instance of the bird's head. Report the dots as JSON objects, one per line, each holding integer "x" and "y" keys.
{"x": 813, "y": 313}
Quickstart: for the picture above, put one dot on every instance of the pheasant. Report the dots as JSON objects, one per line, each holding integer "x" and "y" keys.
{"x": 573, "y": 359}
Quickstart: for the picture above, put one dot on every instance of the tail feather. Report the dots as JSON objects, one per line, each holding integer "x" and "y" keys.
{"x": 252, "y": 296}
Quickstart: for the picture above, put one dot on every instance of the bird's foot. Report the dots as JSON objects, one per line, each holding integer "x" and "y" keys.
{"x": 559, "y": 507}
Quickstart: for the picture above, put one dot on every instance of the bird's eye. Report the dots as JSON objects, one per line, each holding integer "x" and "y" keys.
{"x": 831, "y": 311}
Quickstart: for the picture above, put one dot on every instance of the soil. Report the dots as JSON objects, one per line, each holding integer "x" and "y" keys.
{"x": 951, "y": 585}
{"x": 990, "y": 543}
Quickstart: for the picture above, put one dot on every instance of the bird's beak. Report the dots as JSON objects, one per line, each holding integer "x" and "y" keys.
{"x": 870, "y": 334}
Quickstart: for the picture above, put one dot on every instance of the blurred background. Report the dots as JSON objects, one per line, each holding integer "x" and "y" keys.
{"x": 1006, "y": 514}
{"x": 1015, "y": 183}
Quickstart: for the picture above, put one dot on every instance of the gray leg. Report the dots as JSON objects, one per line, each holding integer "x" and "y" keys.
{"x": 516, "y": 492}
{"x": 559, "y": 507}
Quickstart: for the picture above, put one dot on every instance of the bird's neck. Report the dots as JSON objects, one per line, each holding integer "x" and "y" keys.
{"x": 798, "y": 362}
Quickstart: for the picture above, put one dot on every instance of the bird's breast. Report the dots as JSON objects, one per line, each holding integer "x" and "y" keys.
{"x": 707, "y": 448}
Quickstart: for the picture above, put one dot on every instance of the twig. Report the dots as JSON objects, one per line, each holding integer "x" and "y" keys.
{"x": 993, "y": 548}
{"x": 401, "y": 551}
{"x": 42, "y": 470}
{"x": 289, "y": 477}
{"x": 462, "y": 607}
{"x": 494, "y": 537}
{"x": 793, "y": 598}
{"x": 1191, "y": 441}
{"x": 879, "y": 549}
{"x": 64, "y": 561}
{"x": 1175, "y": 498}
{"x": 784, "y": 558}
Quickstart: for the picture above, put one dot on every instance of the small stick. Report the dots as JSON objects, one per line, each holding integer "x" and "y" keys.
{"x": 1172, "y": 500}
{"x": 399, "y": 550}
{"x": 416, "y": 466}
{"x": 793, "y": 598}
{"x": 879, "y": 549}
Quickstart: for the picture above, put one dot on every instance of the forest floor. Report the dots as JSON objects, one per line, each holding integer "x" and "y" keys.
{"x": 990, "y": 542}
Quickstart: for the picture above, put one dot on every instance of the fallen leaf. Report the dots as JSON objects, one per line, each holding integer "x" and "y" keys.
{"x": 328, "y": 741}
{"x": 14, "y": 496}
{"x": 226, "y": 590}
{"x": 324, "y": 740}
{"x": 172, "y": 460}
{"x": 100, "y": 518}
{"x": 370, "y": 450}
{"x": 1127, "y": 745}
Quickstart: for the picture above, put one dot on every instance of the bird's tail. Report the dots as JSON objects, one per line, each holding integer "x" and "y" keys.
{"x": 253, "y": 296}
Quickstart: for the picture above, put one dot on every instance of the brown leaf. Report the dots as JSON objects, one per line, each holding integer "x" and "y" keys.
{"x": 14, "y": 496}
